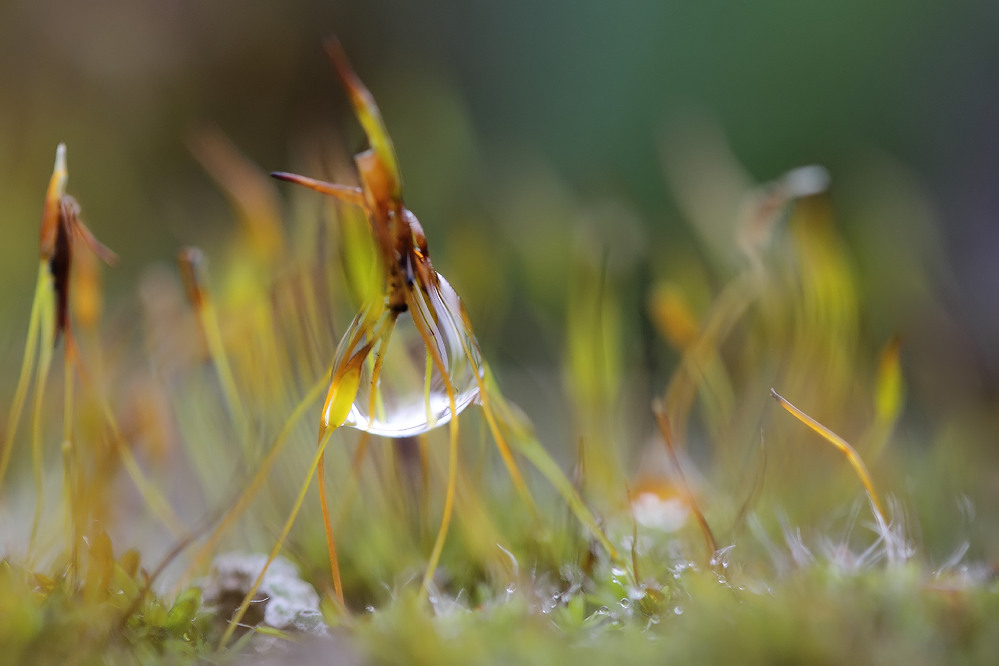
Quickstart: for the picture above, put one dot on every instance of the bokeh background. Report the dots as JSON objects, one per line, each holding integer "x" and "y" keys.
{"x": 545, "y": 127}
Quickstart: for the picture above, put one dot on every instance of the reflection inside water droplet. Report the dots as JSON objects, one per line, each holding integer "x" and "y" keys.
{"x": 402, "y": 392}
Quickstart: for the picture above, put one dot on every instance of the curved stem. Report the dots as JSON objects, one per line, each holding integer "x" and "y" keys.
{"x": 241, "y": 611}
{"x": 452, "y": 482}
{"x": 47, "y": 342}
{"x": 27, "y": 366}
{"x": 257, "y": 481}
{"x": 330, "y": 543}
{"x": 418, "y": 309}
{"x": 851, "y": 454}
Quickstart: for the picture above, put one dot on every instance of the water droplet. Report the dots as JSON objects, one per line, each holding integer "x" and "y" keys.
{"x": 625, "y": 603}
{"x": 401, "y": 391}
{"x": 677, "y": 610}
{"x": 549, "y": 605}
{"x": 599, "y": 613}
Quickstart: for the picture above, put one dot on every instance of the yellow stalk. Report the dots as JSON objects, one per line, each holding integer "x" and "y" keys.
{"x": 74, "y": 508}
{"x": 213, "y": 337}
{"x": 324, "y": 436}
{"x": 851, "y": 454}
{"x": 452, "y": 482}
{"x": 328, "y": 527}
{"x": 427, "y": 376}
{"x": 47, "y": 342}
{"x": 257, "y": 481}
{"x": 501, "y": 445}
{"x": 27, "y": 366}
{"x": 157, "y": 503}
{"x": 355, "y": 473}
{"x": 452, "y": 467}
{"x": 193, "y": 271}
{"x": 382, "y": 338}
{"x": 534, "y": 452}
{"x": 709, "y": 538}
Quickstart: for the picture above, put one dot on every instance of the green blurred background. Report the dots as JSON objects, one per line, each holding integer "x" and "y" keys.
{"x": 584, "y": 88}
{"x": 540, "y": 126}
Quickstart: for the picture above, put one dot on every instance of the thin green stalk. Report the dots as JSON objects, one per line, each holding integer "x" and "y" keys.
{"x": 27, "y": 367}
{"x": 851, "y": 454}
{"x": 74, "y": 507}
{"x": 241, "y": 611}
{"x": 243, "y": 502}
{"x": 452, "y": 467}
{"x": 47, "y": 342}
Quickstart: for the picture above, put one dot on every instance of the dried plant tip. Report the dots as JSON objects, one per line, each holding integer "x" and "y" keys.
{"x": 346, "y": 193}
{"x": 851, "y": 454}
{"x": 368, "y": 115}
{"x": 80, "y": 231}
{"x": 53, "y": 204}
{"x": 192, "y": 271}
{"x": 68, "y": 229}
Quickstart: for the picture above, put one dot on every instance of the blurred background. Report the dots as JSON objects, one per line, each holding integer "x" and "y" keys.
{"x": 580, "y": 91}
{"x": 536, "y": 138}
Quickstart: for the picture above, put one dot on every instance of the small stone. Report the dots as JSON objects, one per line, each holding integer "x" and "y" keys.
{"x": 283, "y": 601}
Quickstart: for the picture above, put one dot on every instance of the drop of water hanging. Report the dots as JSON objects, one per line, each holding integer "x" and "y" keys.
{"x": 410, "y": 395}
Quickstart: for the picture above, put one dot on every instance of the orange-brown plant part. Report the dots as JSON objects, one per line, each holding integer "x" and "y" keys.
{"x": 364, "y": 392}
{"x": 69, "y": 227}
{"x": 453, "y": 364}
{"x": 50, "y": 320}
{"x": 856, "y": 462}
{"x": 61, "y": 226}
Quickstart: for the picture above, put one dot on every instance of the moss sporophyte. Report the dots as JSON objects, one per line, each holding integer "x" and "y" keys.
{"x": 389, "y": 388}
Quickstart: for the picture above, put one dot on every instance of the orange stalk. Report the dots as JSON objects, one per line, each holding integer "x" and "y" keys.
{"x": 664, "y": 428}
{"x": 851, "y": 454}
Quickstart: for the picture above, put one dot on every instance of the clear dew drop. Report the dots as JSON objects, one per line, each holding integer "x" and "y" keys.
{"x": 598, "y": 615}
{"x": 410, "y": 395}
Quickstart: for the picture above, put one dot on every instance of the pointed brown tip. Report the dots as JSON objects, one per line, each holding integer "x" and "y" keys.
{"x": 337, "y": 54}
{"x": 360, "y": 96}
{"x": 192, "y": 271}
{"x": 347, "y": 193}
